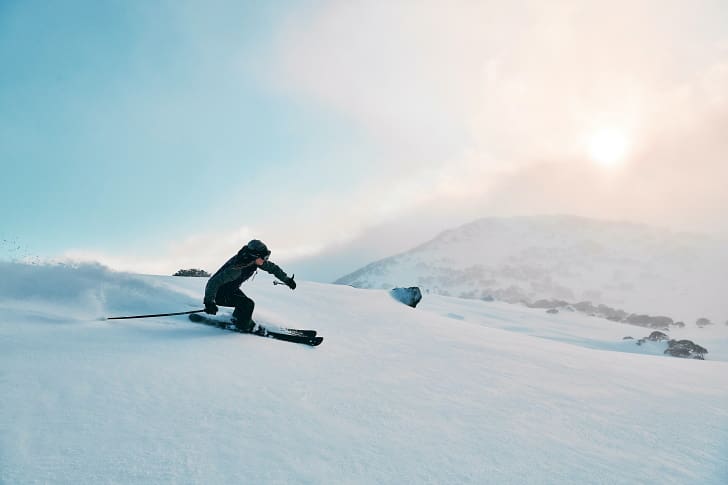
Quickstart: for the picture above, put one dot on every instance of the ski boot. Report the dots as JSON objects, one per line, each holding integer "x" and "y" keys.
{"x": 242, "y": 327}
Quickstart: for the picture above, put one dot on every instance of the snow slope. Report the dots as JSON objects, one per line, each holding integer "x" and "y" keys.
{"x": 454, "y": 392}
{"x": 636, "y": 268}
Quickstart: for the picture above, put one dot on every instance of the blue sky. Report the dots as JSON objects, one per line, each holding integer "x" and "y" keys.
{"x": 111, "y": 111}
{"x": 157, "y": 135}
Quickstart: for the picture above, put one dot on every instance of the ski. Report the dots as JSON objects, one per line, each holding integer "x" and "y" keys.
{"x": 300, "y": 331}
{"x": 295, "y": 336}
{"x": 289, "y": 337}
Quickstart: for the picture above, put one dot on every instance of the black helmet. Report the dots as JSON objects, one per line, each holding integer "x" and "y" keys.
{"x": 256, "y": 247}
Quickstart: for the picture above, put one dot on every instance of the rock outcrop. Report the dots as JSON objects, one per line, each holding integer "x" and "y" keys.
{"x": 604, "y": 311}
{"x": 654, "y": 337}
{"x": 200, "y": 273}
{"x": 409, "y": 296}
{"x": 687, "y": 349}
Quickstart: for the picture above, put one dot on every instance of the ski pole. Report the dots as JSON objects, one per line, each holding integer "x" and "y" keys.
{"x": 157, "y": 315}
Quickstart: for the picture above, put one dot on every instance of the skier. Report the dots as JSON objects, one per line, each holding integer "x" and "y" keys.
{"x": 223, "y": 288}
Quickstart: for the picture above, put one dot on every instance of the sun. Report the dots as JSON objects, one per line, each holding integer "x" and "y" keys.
{"x": 608, "y": 146}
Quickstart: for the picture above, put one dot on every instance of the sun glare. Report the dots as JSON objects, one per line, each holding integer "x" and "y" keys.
{"x": 607, "y": 147}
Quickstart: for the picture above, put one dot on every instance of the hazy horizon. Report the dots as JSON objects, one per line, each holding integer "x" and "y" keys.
{"x": 152, "y": 137}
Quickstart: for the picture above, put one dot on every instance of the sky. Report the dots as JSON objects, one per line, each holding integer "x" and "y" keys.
{"x": 154, "y": 136}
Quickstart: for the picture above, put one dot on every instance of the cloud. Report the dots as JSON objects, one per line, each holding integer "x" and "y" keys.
{"x": 207, "y": 250}
{"x": 465, "y": 97}
{"x": 435, "y": 74}
{"x": 470, "y": 109}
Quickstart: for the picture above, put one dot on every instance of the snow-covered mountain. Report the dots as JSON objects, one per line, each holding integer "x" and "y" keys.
{"x": 635, "y": 268}
{"x": 454, "y": 391}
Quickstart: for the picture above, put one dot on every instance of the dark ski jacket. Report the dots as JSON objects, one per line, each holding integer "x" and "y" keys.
{"x": 237, "y": 269}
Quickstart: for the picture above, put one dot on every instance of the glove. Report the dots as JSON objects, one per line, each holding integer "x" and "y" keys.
{"x": 291, "y": 283}
{"x": 210, "y": 307}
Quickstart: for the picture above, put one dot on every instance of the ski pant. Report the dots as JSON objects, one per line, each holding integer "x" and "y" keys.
{"x": 242, "y": 316}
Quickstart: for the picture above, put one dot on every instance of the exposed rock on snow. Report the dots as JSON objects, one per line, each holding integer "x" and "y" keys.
{"x": 409, "y": 296}
{"x": 686, "y": 349}
{"x": 653, "y": 337}
{"x": 657, "y": 337}
{"x": 548, "y": 304}
{"x": 703, "y": 322}
{"x": 193, "y": 272}
{"x": 649, "y": 321}
{"x": 604, "y": 311}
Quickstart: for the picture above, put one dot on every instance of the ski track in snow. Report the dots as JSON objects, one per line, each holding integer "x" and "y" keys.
{"x": 455, "y": 391}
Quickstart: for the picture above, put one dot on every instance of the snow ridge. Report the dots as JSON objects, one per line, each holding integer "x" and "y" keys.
{"x": 629, "y": 266}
